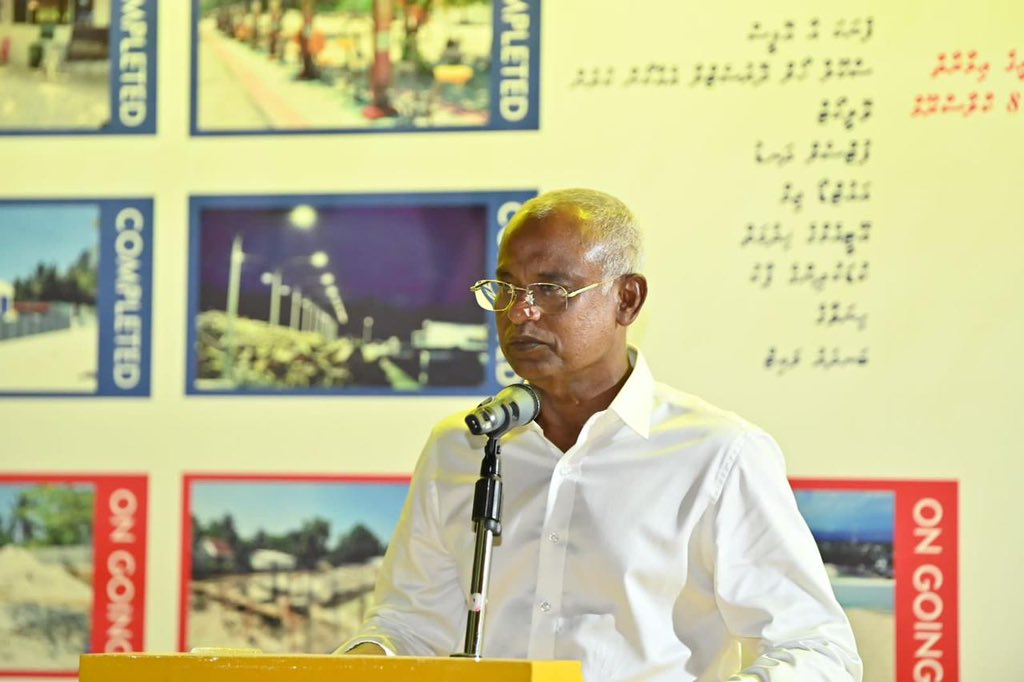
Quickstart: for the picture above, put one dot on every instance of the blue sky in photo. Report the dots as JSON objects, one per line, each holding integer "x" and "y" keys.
{"x": 45, "y": 233}
{"x": 856, "y": 515}
{"x": 280, "y": 506}
{"x": 9, "y": 493}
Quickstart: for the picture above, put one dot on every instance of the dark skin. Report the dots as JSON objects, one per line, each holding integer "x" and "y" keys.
{"x": 577, "y": 358}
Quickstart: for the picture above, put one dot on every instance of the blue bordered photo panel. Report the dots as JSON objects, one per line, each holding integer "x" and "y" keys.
{"x": 75, "y": 297}
{"x": 344, "y": 294}
{"x": 364, "y": 66}
{"x": 78, "y": 67}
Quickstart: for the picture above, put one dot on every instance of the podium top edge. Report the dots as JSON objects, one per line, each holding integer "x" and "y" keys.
{"x": 292, "y": 658}
{"x": 272, "y": 667}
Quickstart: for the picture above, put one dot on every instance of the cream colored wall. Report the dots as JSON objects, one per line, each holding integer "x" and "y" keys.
{"x": 939, "y": 399}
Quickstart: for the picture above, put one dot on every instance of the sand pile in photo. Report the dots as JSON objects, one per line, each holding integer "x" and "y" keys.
{"x": 23, "y": 579}
{"x": 282, "y": 612}
{"x": 875, "y": 632}
{"x": 44, "y": 613}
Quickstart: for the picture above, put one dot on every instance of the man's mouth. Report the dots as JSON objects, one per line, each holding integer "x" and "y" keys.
{"x": 525, "y": 343}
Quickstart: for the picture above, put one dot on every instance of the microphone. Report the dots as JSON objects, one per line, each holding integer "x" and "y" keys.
{"x": 514, "y": 406}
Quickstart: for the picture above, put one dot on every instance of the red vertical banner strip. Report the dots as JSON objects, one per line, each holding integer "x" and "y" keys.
{"x": 927, "y": 579}
{"x": 119, "y": 578}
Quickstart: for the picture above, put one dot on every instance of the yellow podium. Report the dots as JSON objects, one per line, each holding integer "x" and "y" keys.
{"x": 317, "y": 668}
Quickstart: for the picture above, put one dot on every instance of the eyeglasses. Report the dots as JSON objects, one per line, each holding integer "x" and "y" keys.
{"x": 550, "y": 299}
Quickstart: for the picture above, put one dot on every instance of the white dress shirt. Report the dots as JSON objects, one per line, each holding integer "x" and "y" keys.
{"x": 665, "y": 534}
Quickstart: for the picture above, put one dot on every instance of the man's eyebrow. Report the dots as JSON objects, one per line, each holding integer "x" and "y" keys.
{"x": 552, "y": 277}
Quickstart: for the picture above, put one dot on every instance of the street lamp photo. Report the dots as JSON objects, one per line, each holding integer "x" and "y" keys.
{"x": 303, "y": 217}
{"x": 274, "y": 278}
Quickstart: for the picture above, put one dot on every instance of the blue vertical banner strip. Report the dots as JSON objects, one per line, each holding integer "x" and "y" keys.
{"x": 515, "y": 56}
{"x": 125, "y": 297}
{"x": 133, "y": 66}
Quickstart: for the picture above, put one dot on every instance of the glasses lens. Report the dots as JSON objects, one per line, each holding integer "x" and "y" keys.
{"x": 493, "y": 295}
{"x": 550, "y": 298}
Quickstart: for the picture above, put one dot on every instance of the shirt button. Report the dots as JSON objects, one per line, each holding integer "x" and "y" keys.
{"x": 553, "y": 537}
{"x": 565, "y": 469}
{"x": 545, "y": 607}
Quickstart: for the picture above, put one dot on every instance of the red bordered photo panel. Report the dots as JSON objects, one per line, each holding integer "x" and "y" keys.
{"x": 282, "y": 563}
{"x": 891, "y": 549}
{"x": 72, "y": 570}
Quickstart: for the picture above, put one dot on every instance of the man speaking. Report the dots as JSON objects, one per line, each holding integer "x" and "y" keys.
{"x": 644, "y": 532}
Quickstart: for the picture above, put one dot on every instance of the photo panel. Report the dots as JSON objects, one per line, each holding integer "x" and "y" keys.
{"x": 344, "y": 294}
{"x": 295, "y": 576}
{"x": 78, "y": 67}
{"x": 75, "y": 297}
{"x": 305, "y": 66}
{"x": 891, "y": 552}
{"x": 72, "y": 570}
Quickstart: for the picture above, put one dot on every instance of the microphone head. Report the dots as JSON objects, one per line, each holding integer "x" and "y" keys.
{"x": 526, "y": 401}
{"x": 515, "y": 405}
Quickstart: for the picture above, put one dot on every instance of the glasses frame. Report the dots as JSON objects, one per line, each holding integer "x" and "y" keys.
{"x": 527, "y": 290}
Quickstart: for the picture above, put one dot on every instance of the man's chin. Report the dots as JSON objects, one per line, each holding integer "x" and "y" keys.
{"x": 532, "y": 365}
{"x": 537, "y": 372}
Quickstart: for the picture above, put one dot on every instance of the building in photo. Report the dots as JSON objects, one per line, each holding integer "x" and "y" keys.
{"x": 6, "y": 301}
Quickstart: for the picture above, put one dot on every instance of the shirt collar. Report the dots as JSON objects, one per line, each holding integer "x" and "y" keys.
{"x": 635, "y": 400}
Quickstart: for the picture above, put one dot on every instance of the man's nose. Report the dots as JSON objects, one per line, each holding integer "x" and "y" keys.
{"x": 522, "y": 311}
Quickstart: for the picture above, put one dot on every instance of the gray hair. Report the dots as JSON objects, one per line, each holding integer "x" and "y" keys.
{"x": 610, "y": 228}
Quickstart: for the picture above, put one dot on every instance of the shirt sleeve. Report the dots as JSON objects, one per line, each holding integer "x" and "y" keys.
{"x": 770, "y": 582}
{"x": 419, "y": 607}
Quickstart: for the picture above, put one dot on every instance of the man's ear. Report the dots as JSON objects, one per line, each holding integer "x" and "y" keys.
{"x": 632, "y": 294}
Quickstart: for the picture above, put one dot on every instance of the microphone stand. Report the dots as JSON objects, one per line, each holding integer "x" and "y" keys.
{"x": 487, "y": 522}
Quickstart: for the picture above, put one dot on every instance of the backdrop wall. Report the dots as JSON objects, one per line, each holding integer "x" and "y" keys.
{"x": 830, "y": 199}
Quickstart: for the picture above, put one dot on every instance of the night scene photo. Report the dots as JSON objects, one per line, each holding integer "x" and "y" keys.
{"x": 319, "y": 295}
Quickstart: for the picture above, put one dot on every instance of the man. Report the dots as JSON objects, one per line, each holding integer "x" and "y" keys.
{"x": 644, "y": 532}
